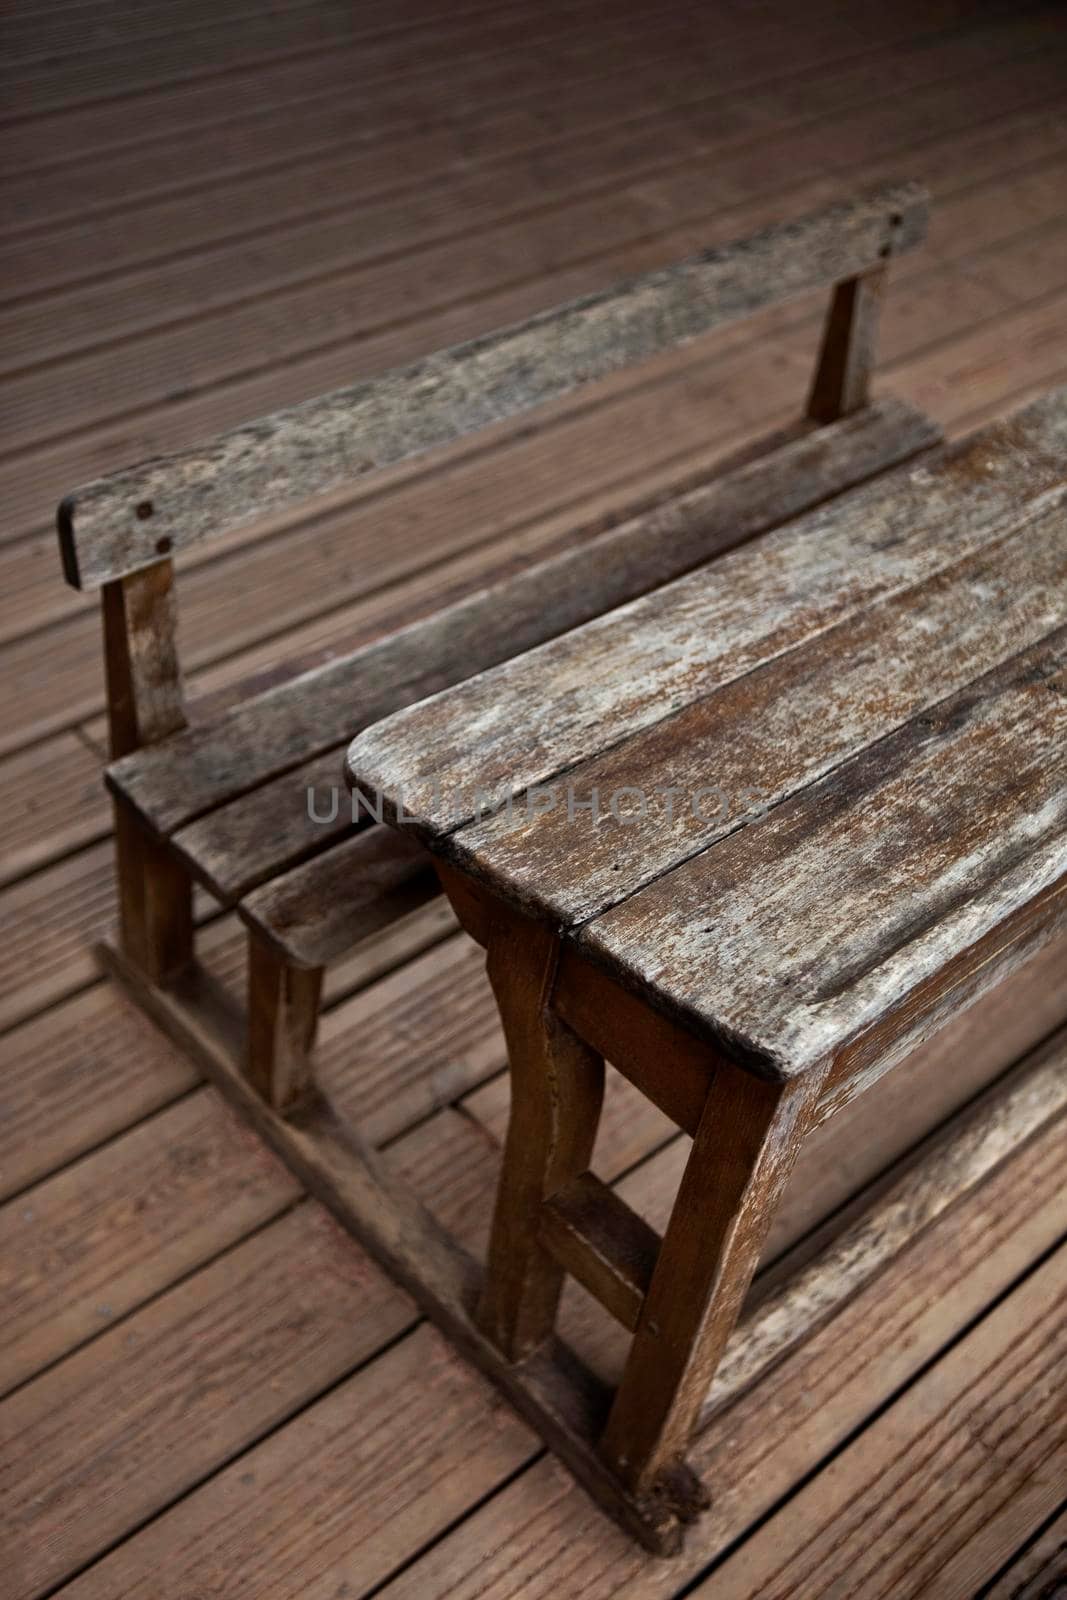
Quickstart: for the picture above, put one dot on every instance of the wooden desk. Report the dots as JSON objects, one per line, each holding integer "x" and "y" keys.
{"x": 751, "y": 838}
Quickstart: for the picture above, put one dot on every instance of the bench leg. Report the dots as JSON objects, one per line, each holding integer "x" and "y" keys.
{"x": 283, "y": 1016}
{"x": 557, "y": 1085}
{"x": 849, "y": 345}
{"x": 741, "y": 1157}
{"x": 155, "y": 896}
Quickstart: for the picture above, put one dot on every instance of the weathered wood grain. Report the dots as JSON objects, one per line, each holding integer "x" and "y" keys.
{"x": 518, "y": 607}
{"x": 893, "y": 865}
{"x": 766, "y": 734}
{"x": 557, "y": 1088}
{"x": 114, "y": 526}
{"x": 739, "y": 1163}
{"x": 77, "y": 1075}
{"x": 629, "y": 668}
{"x": 144, "y": 687}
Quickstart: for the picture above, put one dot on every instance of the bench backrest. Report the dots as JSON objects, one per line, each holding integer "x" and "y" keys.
{"x": 143, "y": 515}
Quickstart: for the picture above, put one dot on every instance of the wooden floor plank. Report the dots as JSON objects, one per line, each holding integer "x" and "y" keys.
{"x": 52, "y": 801}
{"x": 923, "y": 1501}
{"x": 170, "y": 1394}
{"x": 539, "y": 1534}
{"x": 304, "y": 98}
{"x": 390, "y": 181}
{"x": 207, "y": 412}
{"x": 77, "y": 1075}
{"x": 611, "y": 231}
{"x": 57, "y": 83}
{"x": 126, "y": 1222}
{"x": 471, "y": 201}
{"x": 1036, "y": 1570}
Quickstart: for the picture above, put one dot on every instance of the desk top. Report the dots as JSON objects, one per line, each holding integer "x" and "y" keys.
{"x": 811, "y": 797}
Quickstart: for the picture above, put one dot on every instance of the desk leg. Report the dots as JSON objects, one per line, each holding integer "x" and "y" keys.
{"x": 557, "y": 1085}
{"x": 742, "y": 1155}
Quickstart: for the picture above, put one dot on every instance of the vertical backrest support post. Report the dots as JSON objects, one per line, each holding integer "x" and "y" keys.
{"x": 144, "y": 704}
{"x": 144, "y": 689}
{"x": 849, "y": 347}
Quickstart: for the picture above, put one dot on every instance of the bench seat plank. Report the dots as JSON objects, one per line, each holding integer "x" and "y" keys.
{"x": 317, "y": 912}
{"x": 295, "y": 723}
{"x": 627, "y": 669}
{"x": 127, "y": 520}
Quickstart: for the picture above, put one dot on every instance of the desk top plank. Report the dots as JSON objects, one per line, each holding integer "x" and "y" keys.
{"x": 700, "y": 774}
{"x": 538, "y": 715}
{"x": 796, "y": 933}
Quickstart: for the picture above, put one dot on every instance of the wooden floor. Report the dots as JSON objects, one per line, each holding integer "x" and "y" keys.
{"x": 211, "y": 208}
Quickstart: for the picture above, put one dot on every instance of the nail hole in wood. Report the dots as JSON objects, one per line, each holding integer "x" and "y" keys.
{"x": 143, "y": 510}
{"x": 163, "y": 546}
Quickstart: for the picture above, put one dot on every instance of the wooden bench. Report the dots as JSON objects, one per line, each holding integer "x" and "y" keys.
{"x": 224, "y": 803}
{"x": 754, "y": 837}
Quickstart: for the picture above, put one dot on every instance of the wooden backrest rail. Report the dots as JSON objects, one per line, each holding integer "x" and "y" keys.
{"x": 132, "y": 518}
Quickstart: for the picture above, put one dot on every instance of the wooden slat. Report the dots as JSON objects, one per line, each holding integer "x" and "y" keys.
{"x": 768, "y": 733}
{"x": 313, "y": 448}
{"x": 517, "y": 607}
{"x": 621, "y": 673}
{"x": 866, "y": 861}
{"x": 314, "y": 913}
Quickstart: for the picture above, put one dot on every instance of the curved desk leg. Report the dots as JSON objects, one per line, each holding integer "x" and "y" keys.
{"x": 557, "y": 1085}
